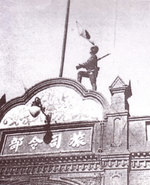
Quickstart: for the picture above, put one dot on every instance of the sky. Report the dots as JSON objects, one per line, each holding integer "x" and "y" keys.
{"x": 31, "y": 39}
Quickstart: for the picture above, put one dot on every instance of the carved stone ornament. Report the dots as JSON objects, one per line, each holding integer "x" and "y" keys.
{"x": 65, "y": 99}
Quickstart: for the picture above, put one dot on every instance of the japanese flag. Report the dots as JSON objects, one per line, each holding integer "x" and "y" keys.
{"x": 84, "y": 33}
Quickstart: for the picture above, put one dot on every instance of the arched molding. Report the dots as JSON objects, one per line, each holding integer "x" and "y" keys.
{"x": 55, "y": 82}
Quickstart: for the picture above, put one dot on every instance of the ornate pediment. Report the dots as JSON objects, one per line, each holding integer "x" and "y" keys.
{"x": 66, "y": 100}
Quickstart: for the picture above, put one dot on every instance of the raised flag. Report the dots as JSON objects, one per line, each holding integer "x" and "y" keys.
{"x": 83, "y": 32}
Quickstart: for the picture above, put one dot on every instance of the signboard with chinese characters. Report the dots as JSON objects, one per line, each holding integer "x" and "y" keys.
{"x": 68, "y": 140}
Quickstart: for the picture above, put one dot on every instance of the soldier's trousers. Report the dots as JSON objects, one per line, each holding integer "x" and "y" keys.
{"x": 91, "y": 75}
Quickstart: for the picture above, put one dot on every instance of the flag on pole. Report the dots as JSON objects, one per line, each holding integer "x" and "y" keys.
{"x": 84, "y": 33}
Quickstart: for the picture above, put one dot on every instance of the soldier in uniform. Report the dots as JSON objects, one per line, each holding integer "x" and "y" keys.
{"x": 91, "y": 68}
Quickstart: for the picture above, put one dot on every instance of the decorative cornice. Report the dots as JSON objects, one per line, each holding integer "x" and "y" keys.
{"x": 139, "y": 118}
{"x": 22, "y": 160}
{"x": 51, "y": 83}
{"x": 50, "y": 168}
{"x": 112, "y": 163}
{"x": 140, "y": 154}
{"x": 46, "y": 165}
{"x": 140, "y": 164}
{"x": 61, "y": 125}
{"x": 56, "y": 164}
{"x": 114, "y": 114}
{"x": 140, "y": 160}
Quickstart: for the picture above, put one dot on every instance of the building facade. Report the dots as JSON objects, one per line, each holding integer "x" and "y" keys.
{"x": 88, "y": 141}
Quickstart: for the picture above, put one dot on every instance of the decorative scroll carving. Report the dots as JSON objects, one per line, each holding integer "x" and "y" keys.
{"x": 58, "y": 96}
{"x": 63, "y": 103}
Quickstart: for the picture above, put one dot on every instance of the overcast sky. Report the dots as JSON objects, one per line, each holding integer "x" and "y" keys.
{"x": 31, "y": 37}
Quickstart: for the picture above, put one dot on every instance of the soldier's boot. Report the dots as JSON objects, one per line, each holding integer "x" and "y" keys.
{"x": 94, "y": 87}
{"x": 79, "y": 78}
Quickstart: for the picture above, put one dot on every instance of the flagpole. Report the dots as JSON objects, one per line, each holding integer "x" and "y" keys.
{"x": 64, "y": 40}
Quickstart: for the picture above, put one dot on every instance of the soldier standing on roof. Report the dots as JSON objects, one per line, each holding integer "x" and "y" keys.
{"x": 91, "y": 68}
